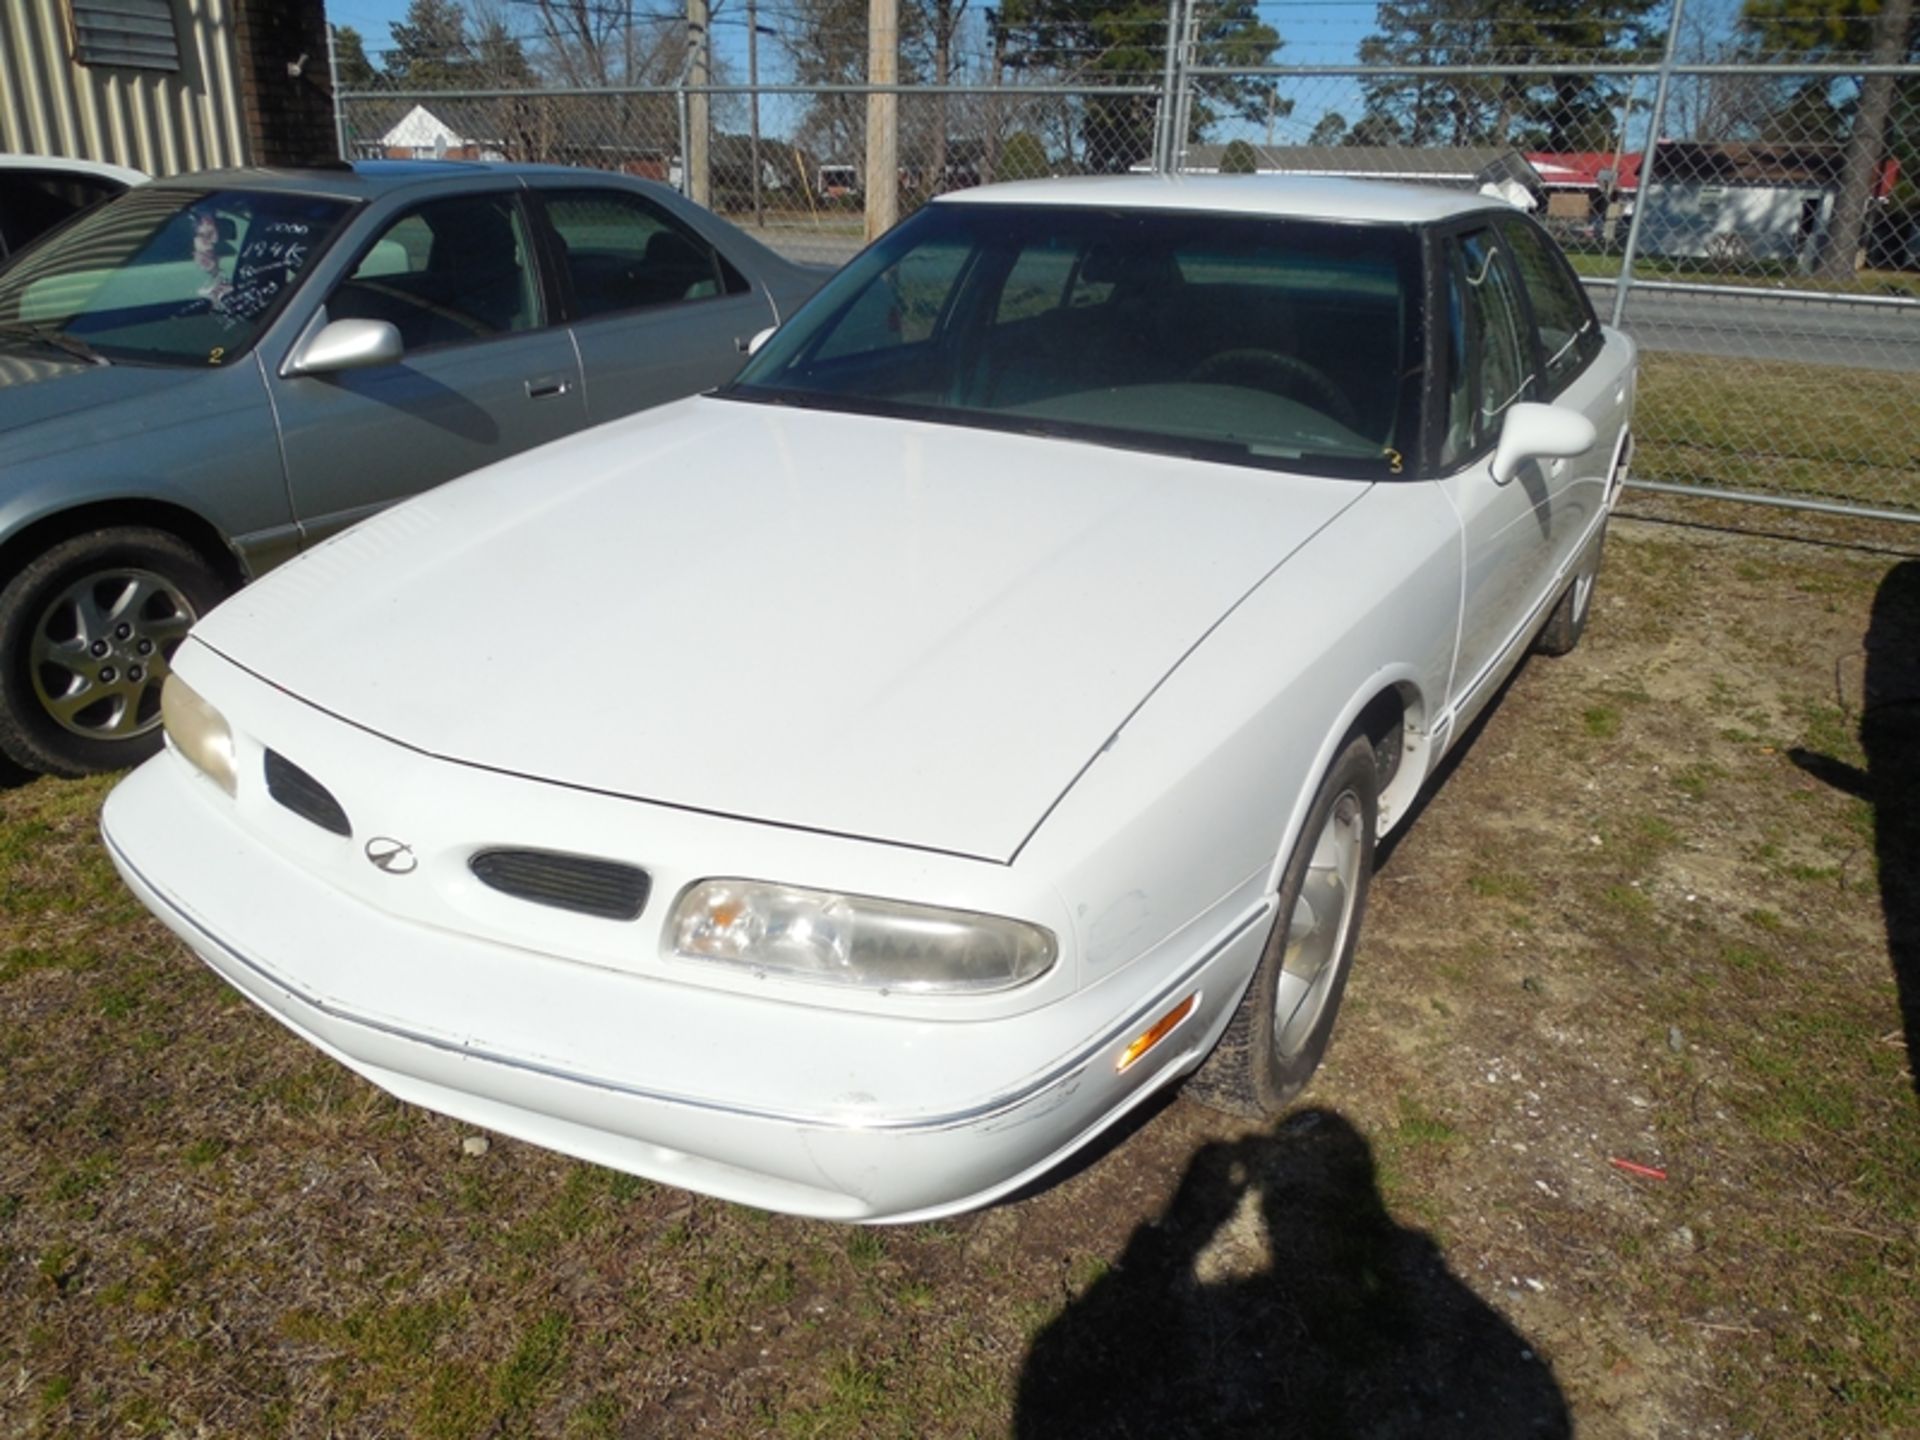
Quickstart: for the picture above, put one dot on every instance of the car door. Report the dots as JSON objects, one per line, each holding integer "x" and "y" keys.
{"x": 658, "y": 311}
{"x": 483, "y": 374}
{"x": 1509, "y": 531}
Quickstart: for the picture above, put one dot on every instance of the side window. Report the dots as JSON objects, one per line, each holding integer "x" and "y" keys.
{"x": 624, "y": 253}
{"x": 903, "y": 308}
{"x": 1490, "y": 367}
{"x": 1569, "y": 336}
{"x": 34, "y": 201}
{"x": 16, "y": 226}
{"x": 446, "y": 272}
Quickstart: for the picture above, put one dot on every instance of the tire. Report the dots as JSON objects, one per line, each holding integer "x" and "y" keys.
{"x": 1275, "y": 1040}
{"x": 87, "y": 631}
{"x": 1568, "y": 622}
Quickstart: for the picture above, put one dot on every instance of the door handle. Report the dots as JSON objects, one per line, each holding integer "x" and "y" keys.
{"x": 548, "y": 385}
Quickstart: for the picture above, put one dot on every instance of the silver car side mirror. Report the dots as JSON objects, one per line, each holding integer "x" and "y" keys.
{"x": 348, "y": 345}
{"x": 753, "y": 345}
{"x": 1536, "y": 432}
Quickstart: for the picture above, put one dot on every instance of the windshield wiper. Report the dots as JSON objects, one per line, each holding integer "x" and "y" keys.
{"x": 59, "y": 339}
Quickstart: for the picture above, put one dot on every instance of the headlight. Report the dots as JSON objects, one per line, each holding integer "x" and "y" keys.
{"x": 856, "y": 940}
{"x": 199, "y": 732}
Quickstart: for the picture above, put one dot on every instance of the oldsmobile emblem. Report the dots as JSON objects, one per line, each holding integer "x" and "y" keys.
{"x": 395, "y": 857}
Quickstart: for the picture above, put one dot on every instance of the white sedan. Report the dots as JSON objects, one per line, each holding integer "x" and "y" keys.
{"x": 850, "y": 791}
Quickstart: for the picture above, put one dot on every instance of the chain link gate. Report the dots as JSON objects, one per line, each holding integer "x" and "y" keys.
{"x": 1775, "y": 369}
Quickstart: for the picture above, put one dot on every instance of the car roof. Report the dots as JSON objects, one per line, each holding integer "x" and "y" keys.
{"x": 67, "y": 163}
{"x": 366, "y": 179}
{"x": 1292, "y": 196}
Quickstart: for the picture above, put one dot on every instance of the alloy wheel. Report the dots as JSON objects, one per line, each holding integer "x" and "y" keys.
{"x": 1318, "y": 925}
{"x": 101, "y": 651}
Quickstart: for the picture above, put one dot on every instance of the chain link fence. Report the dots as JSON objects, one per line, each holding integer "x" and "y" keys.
{"x": 1736, "y": 193}
{"x": 785, "y": 163}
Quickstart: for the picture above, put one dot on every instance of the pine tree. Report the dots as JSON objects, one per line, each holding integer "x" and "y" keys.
{"x": 1546, "y": 112}
{"x": 430, "y": 47}
{"x": 352, "y": 69}
{"x": 1124, "y": 40}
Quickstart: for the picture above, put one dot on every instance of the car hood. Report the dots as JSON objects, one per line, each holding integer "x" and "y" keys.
{"x": 37, "y": 386}
{"x": 913, "y": 633}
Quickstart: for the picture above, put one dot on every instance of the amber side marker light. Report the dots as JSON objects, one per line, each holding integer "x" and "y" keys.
{"x": 1159, "y": 1031}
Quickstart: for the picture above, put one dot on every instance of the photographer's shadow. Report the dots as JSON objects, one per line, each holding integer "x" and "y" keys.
{"x": 1349, "y": 1325}
{"x": 1890, "y": 740}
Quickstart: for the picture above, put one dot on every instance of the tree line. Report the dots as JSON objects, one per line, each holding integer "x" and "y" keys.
{"x": 1092, "y": 44}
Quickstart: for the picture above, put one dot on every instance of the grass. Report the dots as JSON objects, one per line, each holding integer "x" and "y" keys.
{"x": 1627, "y": 927}
{"x": 1819, "y": 431}
{"x": 1756, "y": 274}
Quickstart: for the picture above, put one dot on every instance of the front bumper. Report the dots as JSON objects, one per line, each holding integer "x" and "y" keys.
{"x": 591, "y": 1061}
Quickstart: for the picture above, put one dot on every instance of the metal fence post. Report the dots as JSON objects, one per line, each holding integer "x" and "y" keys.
{"x": 333, "y": 89}
{"x": 1183, "y": 88}
{"x": 1643, "y": 191}
{"x": 1169, "y": 94}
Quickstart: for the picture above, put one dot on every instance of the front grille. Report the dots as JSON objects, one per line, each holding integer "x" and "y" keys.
{"x": 569, "y": 882}
{"x": 304, "y": 795}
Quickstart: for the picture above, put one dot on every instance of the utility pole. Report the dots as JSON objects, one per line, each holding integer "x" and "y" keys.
{"x": 699, "y": 74}
{"x": 883, "y": 117}
{"x": 753, "y": 107}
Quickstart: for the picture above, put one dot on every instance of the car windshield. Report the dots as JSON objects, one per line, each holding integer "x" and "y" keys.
{"x": 1276, "y": 342}
{"x": 165, "y": 275}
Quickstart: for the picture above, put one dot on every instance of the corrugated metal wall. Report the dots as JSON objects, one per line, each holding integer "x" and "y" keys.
{"x": 158, "y": 122}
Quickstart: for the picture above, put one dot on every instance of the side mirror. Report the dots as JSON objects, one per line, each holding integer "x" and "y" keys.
{"x": 1536, "y": 432}
{"x": 348, "y": 345}
{"x": 753, "y": 345}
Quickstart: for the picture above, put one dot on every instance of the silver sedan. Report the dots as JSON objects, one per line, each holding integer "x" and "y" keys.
{"x": 212, "y": 373}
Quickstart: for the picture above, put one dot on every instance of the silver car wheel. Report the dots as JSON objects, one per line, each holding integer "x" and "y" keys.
{"x": 1317, "y": 928}
{"x": 101, "y": 650}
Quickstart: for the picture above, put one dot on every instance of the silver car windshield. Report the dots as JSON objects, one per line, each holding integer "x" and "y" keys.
{"x": 165, "y": 275}
{"x": 1277, "y": 342}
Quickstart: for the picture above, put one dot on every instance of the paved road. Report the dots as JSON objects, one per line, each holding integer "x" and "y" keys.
{"x": 1815, "y": 332}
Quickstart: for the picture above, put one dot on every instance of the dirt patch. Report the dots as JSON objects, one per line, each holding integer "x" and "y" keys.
{"x": 1618, "y": 1133}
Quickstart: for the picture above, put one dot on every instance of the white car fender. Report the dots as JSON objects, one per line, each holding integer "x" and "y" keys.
{"x": 1259, "y": 706}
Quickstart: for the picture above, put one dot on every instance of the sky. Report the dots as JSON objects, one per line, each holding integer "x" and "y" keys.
{"x": 1314, "y": 32}
{"x": 1323, "y": 32}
